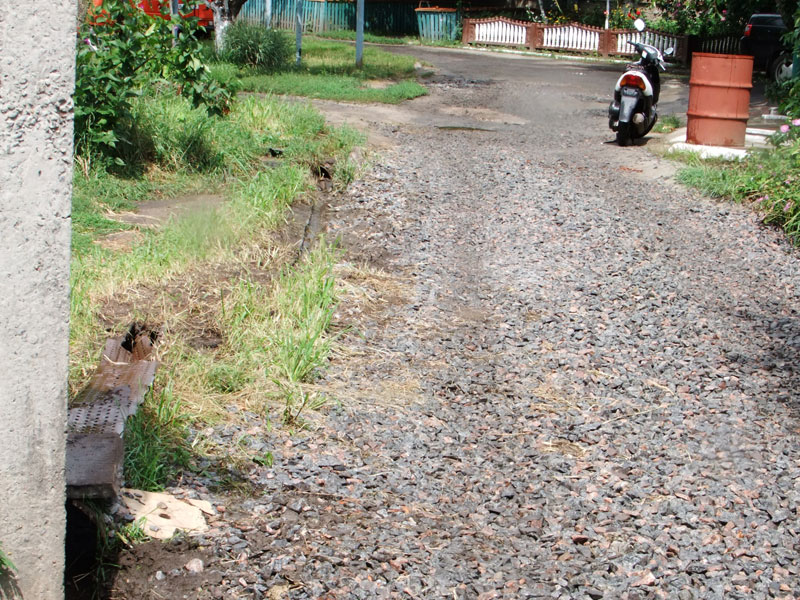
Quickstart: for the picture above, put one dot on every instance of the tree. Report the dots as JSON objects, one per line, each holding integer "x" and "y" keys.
{"x": 225, "y": 11}
{"x": 710, "y": 17}
{"x": 788, "y": 10}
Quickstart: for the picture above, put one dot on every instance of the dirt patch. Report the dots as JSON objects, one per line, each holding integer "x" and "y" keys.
{"x": 120, "y": 241}
{"x": 149, "y": 215}
{"x": 379, "y": 84}
{"x": 156, "y": 570}
{"x": 158, "y": 212}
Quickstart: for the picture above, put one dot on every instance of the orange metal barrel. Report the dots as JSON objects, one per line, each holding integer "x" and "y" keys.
{"x": 719, "y": 99}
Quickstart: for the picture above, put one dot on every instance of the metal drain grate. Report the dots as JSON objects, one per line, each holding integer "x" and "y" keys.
{"x": 113, "y": 395}
{"x": 96, "y": 419}
{"x": 106, "y": 416}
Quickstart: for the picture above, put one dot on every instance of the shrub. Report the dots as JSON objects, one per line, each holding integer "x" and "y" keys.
{"x": 122, "y": 53}
{"x": 768, "y": 178}
{"x": 781, "y": 198}
{"x": 789, "y": 91}
{"x": 251, "y": 44}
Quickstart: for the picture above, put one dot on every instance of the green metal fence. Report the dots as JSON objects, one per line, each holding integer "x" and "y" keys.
{"x": 392, "y": 18}
{"x": 437, "y": 24}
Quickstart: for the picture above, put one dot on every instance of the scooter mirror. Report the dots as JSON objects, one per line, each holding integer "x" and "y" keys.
{"x": 639, "y": 25}
{"x": 669, "y": 51}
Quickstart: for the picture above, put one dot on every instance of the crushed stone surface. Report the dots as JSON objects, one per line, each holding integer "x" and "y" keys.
{"x": 563, "y": 378}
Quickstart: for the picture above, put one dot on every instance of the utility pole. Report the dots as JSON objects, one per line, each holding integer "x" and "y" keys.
{"x": 359, "y": 34}
{"x": 298, "y": 29}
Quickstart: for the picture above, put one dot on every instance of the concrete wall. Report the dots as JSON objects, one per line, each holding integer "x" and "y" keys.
{"x": 37, "y": 54}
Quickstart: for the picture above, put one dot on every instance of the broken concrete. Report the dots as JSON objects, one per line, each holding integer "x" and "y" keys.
{"x": 162, "y": 515}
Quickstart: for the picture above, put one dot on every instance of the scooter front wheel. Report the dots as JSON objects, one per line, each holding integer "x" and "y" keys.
{"x": 624, "y": 137}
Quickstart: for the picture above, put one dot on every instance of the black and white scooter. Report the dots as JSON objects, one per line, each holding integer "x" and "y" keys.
{"x": 632, "y": 113}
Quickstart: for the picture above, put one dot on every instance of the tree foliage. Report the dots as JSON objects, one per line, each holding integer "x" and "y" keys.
{"x": 709, "y": 17}
{"x": 692, "y": 17}
{"x": 788, "y": 10}
{"x": 120, "y": 51}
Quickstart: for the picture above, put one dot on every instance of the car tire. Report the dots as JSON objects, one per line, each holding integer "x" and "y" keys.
{"x": 780, "y": 69}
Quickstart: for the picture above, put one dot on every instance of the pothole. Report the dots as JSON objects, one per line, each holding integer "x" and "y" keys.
{"x": 462, "y": 128}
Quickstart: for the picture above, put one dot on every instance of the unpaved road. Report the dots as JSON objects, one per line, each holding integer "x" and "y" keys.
{"x": 565, "y": 377}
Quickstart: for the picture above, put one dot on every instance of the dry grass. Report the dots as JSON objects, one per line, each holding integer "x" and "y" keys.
{"x": 563, "y": 447}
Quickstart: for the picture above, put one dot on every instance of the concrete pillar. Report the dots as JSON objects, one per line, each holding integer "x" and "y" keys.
{"x": 37, "y": 65}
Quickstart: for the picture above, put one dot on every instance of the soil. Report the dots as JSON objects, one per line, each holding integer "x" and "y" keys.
{"x": 560, "y": 375}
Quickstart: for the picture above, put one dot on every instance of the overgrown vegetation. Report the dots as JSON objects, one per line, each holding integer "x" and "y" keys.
{"x": 121, "y": 51}
{"x": 328, "y": 72}
{"x": 253, "y": 45}
{"x": 788, "y": 92}
{"x": 770, "y": 179}
{"x": 242, "y": 322}
{"x": 155, "y": 441}
{"x": 222, "y": 251}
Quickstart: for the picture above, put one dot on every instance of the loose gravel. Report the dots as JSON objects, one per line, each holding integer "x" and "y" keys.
{"x": 571, "y": 380}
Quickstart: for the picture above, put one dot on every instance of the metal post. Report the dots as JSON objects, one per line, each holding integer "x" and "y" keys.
{"x": 359, "y": 34}
{"x": 298, "y": 29}
{"x": 608, "y": 9}
{"x": 174, "y": 9}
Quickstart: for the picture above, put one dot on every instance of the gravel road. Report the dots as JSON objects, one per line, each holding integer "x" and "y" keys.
{"x": 566, "y": 377}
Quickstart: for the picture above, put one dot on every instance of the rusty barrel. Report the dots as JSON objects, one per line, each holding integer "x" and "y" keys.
{"x": 719, "y": 99}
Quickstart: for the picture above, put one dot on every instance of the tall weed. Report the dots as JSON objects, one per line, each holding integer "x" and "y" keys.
{"x": 770, "y": 179}
{"x": 155, "y": 442}
{"x": 253, "y": 45}
{"x": 305, "y": 307}
{"x": 169, "y": 133}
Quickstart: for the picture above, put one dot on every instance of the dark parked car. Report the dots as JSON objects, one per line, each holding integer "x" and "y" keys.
{"x": 762, "y": 40}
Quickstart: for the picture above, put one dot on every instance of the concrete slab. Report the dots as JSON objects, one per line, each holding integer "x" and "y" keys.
{"x": 755, "y": 137}
{"x": 162, "y": 514}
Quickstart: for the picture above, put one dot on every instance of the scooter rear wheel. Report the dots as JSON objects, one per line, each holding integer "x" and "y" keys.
{"x": 624, "y": 134}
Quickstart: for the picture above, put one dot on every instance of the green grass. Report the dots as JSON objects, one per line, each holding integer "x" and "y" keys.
{"x": 768, "y": 179}
{"x": 6, "y": 565}
{"x": 333, "y": 87}
{"x": 278, "y": 335}
{"x": 328, "y": 72}
{"x": 370, "y": 38}
{"x": 667, "y": 124}
{"x": 98, "y": 193}
{"x": 217, "y": 269}
{"x": 155, "y": 442}
{"x": 305, "y": 307}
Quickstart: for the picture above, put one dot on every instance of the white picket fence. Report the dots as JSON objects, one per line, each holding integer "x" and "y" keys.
{"x": 501, "y": 31}
{"x": 721, "y": 45}
{"x": 662, "y": 41}
{"x": 571, "y": 37}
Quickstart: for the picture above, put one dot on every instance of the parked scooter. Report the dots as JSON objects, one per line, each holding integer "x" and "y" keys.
{"x": 632, "y": 113}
